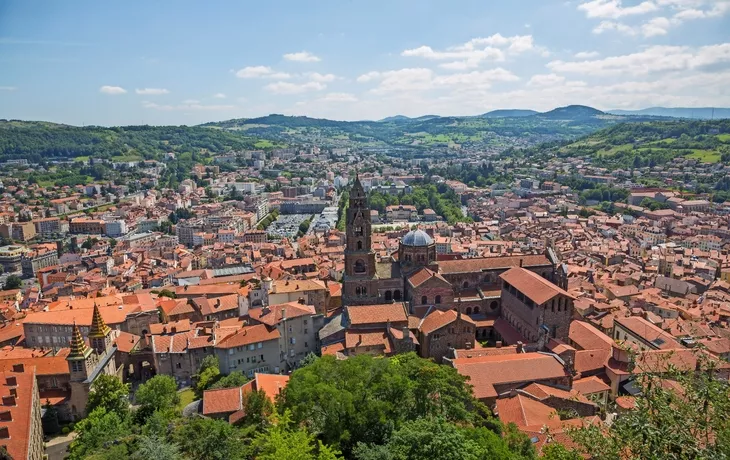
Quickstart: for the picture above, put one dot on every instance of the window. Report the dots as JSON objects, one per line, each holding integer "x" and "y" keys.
{"x": 178, "y": 365}
{"x": 359, "y": 266}
{"x": 359, "y": 245}
{"x": 438, "y": 300}
{"x": 305, "y": 322}
{"x": 424, "y": 300}
{"x": 262, "y": 358}
{"x": 252, "y": 347}
{"x": 466, "y": 284}
{"x": 260, "y": 344}
{"x": 306, "y": 345}
{"x": 293, "y": 340}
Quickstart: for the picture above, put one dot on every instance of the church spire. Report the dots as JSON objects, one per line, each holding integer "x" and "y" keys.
{"x": 98, "y": 329}
{"x": 79, "y": 349}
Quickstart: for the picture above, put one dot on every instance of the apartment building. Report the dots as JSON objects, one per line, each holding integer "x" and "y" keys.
{"x": 33, "y": 261}
{"x": 249, "y": 350}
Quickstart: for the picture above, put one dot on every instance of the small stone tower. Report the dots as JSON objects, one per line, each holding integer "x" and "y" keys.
{"x": 81, "y": 359}
{"x": 100, "y": 335}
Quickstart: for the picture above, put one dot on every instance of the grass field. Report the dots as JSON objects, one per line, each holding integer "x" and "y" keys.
{"x": 186, "y": 397}
{"x": 705, "y": 156}
{"x": 264, "y": 144}
{"x": 723, "y": 137}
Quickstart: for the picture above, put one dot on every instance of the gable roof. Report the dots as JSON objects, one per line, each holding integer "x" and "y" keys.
{"x": 423, "y": 275}
{"x": 532, "y": 285}
{"x": 438, "y": 319}
{"x": 491, "y": 263}
{"x": 273, "y": 314}
{"x": 248, "y": 335}
{"x": 373, "y": 314}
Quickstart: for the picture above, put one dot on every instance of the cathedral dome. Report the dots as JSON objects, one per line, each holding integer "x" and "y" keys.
{"x": 417, "y": 238}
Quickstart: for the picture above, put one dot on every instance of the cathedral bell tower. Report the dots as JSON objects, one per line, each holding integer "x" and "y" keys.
{"x": 360, "y": 283}
{"x": 100, "y": 335}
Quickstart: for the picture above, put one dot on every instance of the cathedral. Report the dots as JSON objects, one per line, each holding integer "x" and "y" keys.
{"x": 387, "y": 300}
{"x": 414, "y": 275}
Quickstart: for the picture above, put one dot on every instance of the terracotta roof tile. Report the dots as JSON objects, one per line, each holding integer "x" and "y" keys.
{"x": 372, "y": 314}
{"x": 248, "y": 335}
{"x": 532, "y": 285}
{"x": 491, "y": 263}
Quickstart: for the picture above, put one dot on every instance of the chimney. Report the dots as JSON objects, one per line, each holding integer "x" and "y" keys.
{"x": 359, "y": 338}
{"x": 283, "y": 314}
{"x": 499, "y": 344}
{"x": 521, "y": 260}
{"x": 217, "y": 303}
{"x": 520, "y": 347}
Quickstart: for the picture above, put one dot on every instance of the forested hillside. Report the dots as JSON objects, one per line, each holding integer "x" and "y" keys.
{"x": 38, "y": 141}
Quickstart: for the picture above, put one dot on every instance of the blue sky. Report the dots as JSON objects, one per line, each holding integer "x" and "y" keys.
{"x": 187, "y": 62}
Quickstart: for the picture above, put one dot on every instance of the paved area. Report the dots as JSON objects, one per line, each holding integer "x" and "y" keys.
{"x": 56, "y": 447}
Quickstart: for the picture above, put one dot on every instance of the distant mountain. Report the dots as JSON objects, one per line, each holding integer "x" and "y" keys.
{"x": 508, "y": 113}
{"x": 701, "y": 113}
{"x": 396, "y": 118}
{"x": 571, "y": 112}
{"x": 403, "y": 118}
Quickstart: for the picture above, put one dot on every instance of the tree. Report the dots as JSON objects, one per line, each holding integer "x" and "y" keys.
{"x": 158, "y": 393}
{"x": 13, "y": 282}
{"x": 207, "y": 375}
{"x": 209, "y": 439}
{"x": 556, "y": 451}
{"x": 434, "y": 438}
{"x": 679, "y": 415}
{"x": 363, "y": 399}
{"x": 157, "y": 448}
{"x": 257, "y": 408}
{"x": 232, "y": 380}
{"x": 284, "y": 442}
{"x": 109, "y": 393}
{"x": 95, "y": 431}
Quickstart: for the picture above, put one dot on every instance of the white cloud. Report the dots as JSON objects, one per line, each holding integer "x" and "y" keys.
{"x": 152, "y": 91}
{"x": 261, "y": 71}
{"x": 338, "y": 97}
{"x": 477, "y": 50}
{"x": 651, "y": 60}
{"x": 605, "y": 26}
{"x": 587, "y": 54}
{"x": 614, "y": 9}
{"x": 112, "y": 90}
{"x": 302, "y": 56}
{"x": 189, "y": 105}
{"x": 655, "y": 26}
{"x": 191, "y": 101}
{"x": 326, "y": 78}
{"x": 421, "y": 79}
{"x": 550, "y": 79}
{"x": 219, "y": 96}
{"x": 283, "y": 87}
{"x": 8, "y": 88}
{"x": 367, "y": 77}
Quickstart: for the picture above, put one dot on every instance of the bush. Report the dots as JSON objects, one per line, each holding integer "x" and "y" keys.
{"x": 65, "y": 430}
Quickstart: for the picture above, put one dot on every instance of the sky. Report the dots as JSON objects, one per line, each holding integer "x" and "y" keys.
{"x": 188, "y": 62}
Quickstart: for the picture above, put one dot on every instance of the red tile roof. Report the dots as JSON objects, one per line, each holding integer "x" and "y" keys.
{"x": 47, "y": 365}
{"x": 532, "y": 285}
{"x": 372, "y": 314}
{"x": 485, "y": 372}
{"x": 215, "y": 305}
{"x": 438, "y": 319}
{"x": 587, "y": 337}
{"x": 21, "y": 413}
{"x": 491, "y": 263}
{"x": 524, "y": 411}
{"x": 273, "y": 314}
{"x": 590, "y": 385}
{"x": 248, "y": 335}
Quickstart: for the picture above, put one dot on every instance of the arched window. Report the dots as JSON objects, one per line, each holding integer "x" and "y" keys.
{"x": 466, "y": 284}
{"x": 468, "y": 310}
{"x": 476, "y": 309}
{"x": 396, "y": 295}
{"x": 357, "y": 290}
{"x": 438, "y": 300}
{"x": 364, "y": 291}
{"x": 494, "y": 305}
{"x": 388, "y": 296}
{"x": 359, "y": 245}
{"x": 359, "y": 266}
{"x": 424, "y": 300}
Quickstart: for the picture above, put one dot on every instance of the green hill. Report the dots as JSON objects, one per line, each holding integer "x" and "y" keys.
{"x": 650, "y": 143}
{"x": 38, "y": 141}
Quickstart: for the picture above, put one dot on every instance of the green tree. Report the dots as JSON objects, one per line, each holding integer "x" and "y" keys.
{"x": 99, "y": 428}
{"x": 50, "y": 420}
{"x": 109, "y": 393}
{"x": 257, "y": 409}
{"x": 13, "y": 282}
{"x": 157, "y": 448}
{"x": 680, "y": 415}
{"x": 282, "y": 441}
{"x": 556, "y": 451}
{"x": 158, "y": 393}
{"x": 207, "y": 375}
{"x": 232, "y": 380}
{"x": 209, "y": 439}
